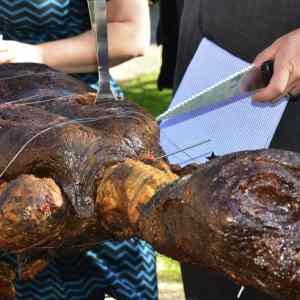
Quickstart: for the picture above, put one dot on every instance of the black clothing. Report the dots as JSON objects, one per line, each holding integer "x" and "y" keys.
{"x": 167, "y": 36}
{"x": 244, "y": 28}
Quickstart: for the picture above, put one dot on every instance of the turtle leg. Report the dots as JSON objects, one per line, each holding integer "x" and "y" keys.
{"x": 123, "y": 188}
{"x": 239, "y": 215}
{"x": 32, "y": 211}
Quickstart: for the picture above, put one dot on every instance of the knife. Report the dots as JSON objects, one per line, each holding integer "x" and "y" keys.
{"x": 98, "y": 17}
{"x": 237, "y": 86}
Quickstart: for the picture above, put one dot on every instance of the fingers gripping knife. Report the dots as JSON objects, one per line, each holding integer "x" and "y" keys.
{"x": 98, "y": 15}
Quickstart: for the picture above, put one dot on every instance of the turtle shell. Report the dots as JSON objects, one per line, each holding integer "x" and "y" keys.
{"x": 51, "y": 126}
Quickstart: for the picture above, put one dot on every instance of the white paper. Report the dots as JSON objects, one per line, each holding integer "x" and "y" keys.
{"x": 242, "y": 125}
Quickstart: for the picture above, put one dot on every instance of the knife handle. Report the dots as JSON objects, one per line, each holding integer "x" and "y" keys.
{"x": 267, "y": 70}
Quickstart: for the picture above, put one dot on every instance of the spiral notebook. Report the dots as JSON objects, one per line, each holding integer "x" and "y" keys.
{"x": 237, "y": 126}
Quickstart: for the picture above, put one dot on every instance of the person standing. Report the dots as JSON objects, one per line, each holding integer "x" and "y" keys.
{"x": 58, "y": 33}
{"x": 256, "y": 31}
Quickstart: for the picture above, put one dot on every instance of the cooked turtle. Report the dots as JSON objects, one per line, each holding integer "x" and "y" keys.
{"x": 75, "y": 172}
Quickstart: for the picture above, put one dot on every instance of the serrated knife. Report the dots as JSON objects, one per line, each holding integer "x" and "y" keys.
{"x": 239, "y": 85}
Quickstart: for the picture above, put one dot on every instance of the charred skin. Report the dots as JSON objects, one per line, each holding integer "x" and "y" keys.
{"x": 7, "y": 279}
{"x": 123, "y": 188}
{"x": 90, "y": 181}
{"x": 239, "y": 215}
{"x": 32, "y": 213}
{"x": 36, "y": 221}
{"x": 73, "y": 154}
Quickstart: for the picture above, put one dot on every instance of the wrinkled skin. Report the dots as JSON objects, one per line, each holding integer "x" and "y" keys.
{"x": 72, "y": 154}
{"x": 242, "y": 215}
{"x": 78, "y": 184}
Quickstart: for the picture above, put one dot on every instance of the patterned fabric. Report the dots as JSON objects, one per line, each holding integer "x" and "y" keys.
{"x": 43, "y": 20}
{"x": 39, "y": 21}
{"x": 125, "y": 270}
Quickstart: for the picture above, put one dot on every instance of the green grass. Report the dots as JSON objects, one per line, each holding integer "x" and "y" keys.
{"x": 168, "y": 269}
{"x": 144, "y": 92}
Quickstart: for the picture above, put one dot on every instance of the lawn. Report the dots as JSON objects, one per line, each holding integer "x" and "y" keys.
{"x": 143, "y": 91}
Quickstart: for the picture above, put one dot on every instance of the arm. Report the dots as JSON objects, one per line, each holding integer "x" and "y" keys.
{"x": 128, "y": 37}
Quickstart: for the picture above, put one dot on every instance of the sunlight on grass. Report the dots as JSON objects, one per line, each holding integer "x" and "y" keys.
{"x": 143, "y": 91}
{"x": 168, "y": 269}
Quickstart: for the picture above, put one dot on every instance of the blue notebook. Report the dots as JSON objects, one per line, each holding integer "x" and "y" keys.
{"x": 236, "y": 126}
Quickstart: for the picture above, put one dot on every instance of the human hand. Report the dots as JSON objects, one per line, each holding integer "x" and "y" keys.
{"x": 16, "y": 52}
{"x": 286, "y": 78}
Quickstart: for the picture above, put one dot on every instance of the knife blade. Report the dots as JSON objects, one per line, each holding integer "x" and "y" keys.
{"x": 239, "y": 85}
